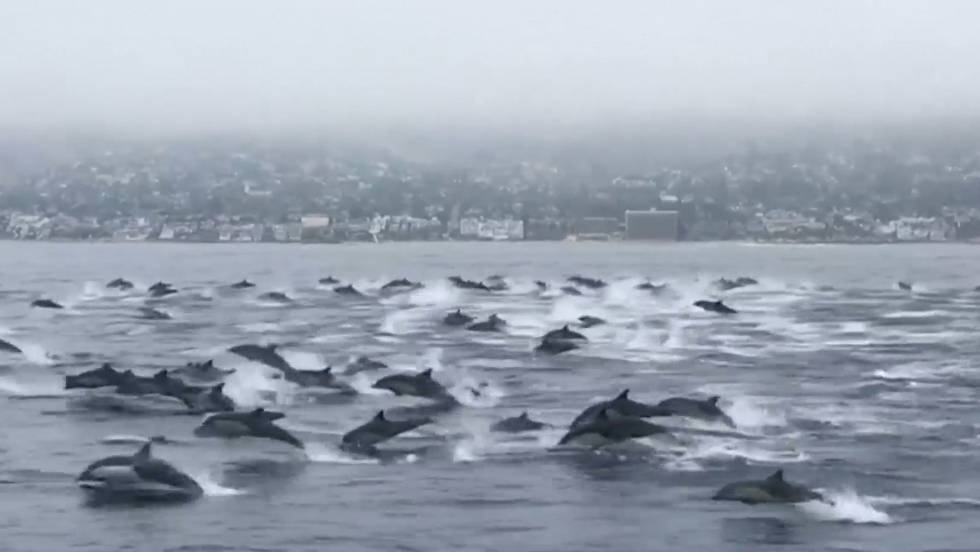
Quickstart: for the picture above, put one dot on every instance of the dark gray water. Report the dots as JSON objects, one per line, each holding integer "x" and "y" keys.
{"x": 852, "y": 386}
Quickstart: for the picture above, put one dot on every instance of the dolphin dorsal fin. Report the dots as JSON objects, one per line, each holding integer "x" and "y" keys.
{"x": 380, "y": 416}
{"x": 326, "y": 370}
{"x": 523, "y": 415}
{"x": 258, "y": 412}
{"x": 209, "y": 363}
{"x": 106, "y": 366}
{"x": 624, "y": 395}
{"x": 143, "y": 454}
{"x": 427, "y": 373}
{"x": 713, "y": 400}
{"x": 565, "y": 327}
{"x": 776, "y": 477}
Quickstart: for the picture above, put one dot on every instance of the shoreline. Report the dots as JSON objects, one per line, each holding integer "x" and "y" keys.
{"x": 747, "y": 241}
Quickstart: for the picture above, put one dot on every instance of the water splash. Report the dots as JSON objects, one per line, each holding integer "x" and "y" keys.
{"x": 845, "y": 506}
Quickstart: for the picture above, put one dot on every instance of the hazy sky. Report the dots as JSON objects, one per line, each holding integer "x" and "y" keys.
{"x": 210, "y": 64}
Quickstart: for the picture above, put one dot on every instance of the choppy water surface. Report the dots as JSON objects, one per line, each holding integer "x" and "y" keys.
{"x": 852, "y": 386}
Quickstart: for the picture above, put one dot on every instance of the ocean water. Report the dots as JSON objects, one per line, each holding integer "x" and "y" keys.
{"x": 830, "y": 372}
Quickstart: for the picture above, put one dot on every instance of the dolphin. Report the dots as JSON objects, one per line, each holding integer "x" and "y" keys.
{"x": 364, "y": 437}
{"x": 564, "y": 333}
{"x": 715, "y": 306}
{"x": 347, "y": 290}
{"x": 555, "y": 346}
{"x": 773, "y": 489}
{"x": 321, "y": 378}
{"x": 276, "y": 297}
{"x": 590, "y": 283}
{"x": 175, "y": 387}
{"x": 103, "y": 376}
{"x": 210, "y": 400}
{"x": 517, "y": 424}
{"x": 243, "y": 284}
{"x": 150, "y": 313}
{"x": 905, "y": 286}
{"x": 742, "y": 281}
{"x": 161, "y": 289}
{"x": 8, "y": 347}
{"x": 363, "y": 364}
{"x": 257, "y": 423}
{"x": 496, "y": 282}
{"x": 493, "y": 323}
{"x": 329, "y": 281}
{"x": 131, "y": 384}
{"x": 120, "y": 283}
{"x": 202, "y": 371}
{"x": 139, "y": 477}
{"x": 590, "y": 321}
{"x": 468, "y": 284}
{"x": 415, "y": 385}
{"x": 457, "y": 319}
{"x": 46, "y": 304}
{"x": 693, "y": 408}
{"x": 649, "y": 286}
{"x": 621, "y": 406}
{"x": 606, "y": 430}
{"x": 541, "y": 285}
{"x": 570, "y": 290}
{"x": 266, "y": 355}
{"x": 401, "y": 283}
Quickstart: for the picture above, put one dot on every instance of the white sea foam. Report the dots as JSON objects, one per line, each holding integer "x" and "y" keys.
{"x": 318, "y": 452}
{"x": 845, "y": 506}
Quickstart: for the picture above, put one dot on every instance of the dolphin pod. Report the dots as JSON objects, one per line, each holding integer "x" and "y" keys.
{"x": 200, "y": 387}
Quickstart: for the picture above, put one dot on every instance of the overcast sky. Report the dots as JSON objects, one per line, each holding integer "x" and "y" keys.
{"x": 210, "y": 64}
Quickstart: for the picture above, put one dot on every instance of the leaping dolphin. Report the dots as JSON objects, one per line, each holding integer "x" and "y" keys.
{"x": 266, "y": 355}
{"x": 139, "y": 477}
{"x": 773, "y": 489}
{"x": 693, "y": 408}
{"x": 120, "y": 284}
{"x": 379, "y": 429}
{"x": 517, "y": 424}
{"x": 415, "y": 385}
{"x": 565, "y": 333}
{"x": 457, "y": 318}
{"x": 606, "y": 430}
{"x": 715, "y": 306}
{"x": 103, "y": 376}
{"x": 257, "y": 423}
{"x": 621, "y": 406}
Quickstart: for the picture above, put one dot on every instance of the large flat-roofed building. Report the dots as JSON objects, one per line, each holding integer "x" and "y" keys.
{"x": 651, "y": 225}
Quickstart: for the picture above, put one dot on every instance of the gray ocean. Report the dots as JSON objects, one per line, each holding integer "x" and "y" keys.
{"x": 829, "y": 371}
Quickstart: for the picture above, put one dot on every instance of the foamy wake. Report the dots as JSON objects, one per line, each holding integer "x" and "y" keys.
{"x": 213, "y": 488}
{"x": 319, "y": 452}
{"x": 845, "y": 506}
{"x": 36, "y": 354}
